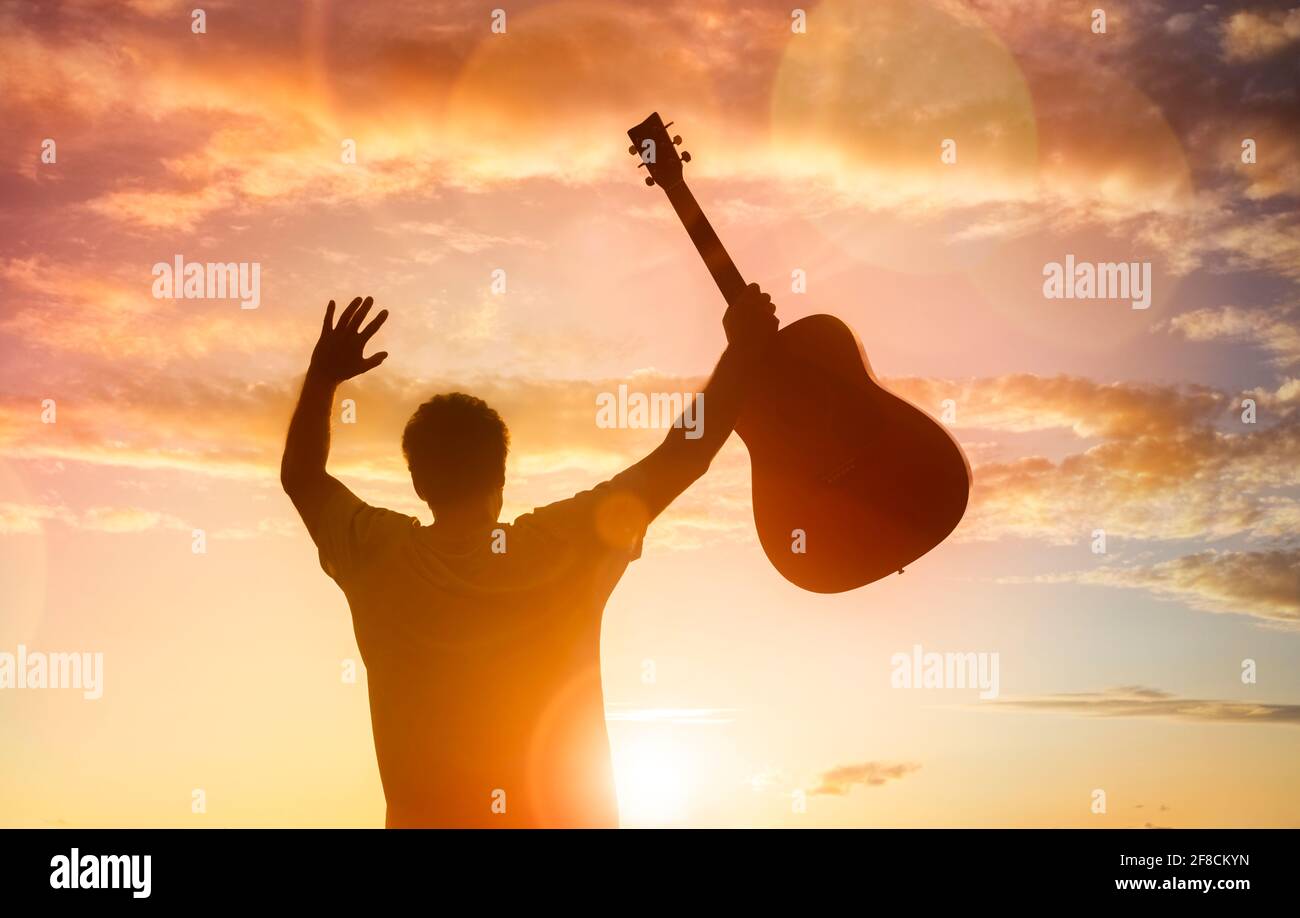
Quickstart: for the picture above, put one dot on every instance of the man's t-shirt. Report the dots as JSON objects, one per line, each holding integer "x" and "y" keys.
{"x": 483, "y": 655}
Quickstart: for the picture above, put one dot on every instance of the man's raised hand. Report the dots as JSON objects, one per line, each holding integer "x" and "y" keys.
{"x": 338, "y": 352}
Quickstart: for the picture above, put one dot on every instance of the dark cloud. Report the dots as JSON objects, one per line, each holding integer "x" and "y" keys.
{"x": 1263, "y": 584}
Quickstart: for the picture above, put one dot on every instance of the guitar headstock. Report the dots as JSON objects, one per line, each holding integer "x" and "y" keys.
{"x": 658, "y": 151}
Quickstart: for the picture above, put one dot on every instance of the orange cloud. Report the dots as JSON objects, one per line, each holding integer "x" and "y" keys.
{"x": 839, "y": 781}
{"x": 1250, "y": 35}
{"x": 18, "y": 518}
{"x": 1161, "y": 471}
{"x": 69, "y": 310}
{"x": 552, "y": 97}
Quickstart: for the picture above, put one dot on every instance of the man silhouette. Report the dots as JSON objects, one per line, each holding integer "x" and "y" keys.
{"x": 482, "y": 640}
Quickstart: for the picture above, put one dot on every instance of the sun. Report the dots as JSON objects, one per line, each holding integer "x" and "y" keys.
{"x": 651, "y": 775}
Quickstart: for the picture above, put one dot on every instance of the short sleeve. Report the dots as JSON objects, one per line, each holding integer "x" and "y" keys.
{"x": 347, "y": 531}
{"x": 611, "y": 516}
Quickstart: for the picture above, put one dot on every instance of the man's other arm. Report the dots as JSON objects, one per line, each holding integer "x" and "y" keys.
{"x": 677, "y": 462}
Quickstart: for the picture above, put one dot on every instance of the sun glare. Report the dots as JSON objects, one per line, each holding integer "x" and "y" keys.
{"x": 652, "y": 776}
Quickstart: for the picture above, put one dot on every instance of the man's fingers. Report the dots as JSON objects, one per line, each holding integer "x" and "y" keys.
{"x": 373, "y": 327}
{"x": 760, "y": 299}
{"x": 348, "y": 313}
{"x": 329, "y": 318}
{"x": 360, "y": 315}
{"x": 373, "y": 361}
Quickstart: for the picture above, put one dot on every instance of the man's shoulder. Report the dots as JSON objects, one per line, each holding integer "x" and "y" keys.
{"x": 350, "y": 532}
{"x": 608, "y": 515}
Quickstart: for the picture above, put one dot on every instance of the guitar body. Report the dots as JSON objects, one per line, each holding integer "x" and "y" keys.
{"x": 872, "y": 482}
{"x": 851, "y": 483}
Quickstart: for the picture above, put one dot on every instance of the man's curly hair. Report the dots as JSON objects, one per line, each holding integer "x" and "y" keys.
{"x": 455, "y": 446}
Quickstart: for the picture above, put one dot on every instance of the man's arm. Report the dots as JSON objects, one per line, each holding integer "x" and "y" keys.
{"x": 677, "y": 462}
{"x": 337, "y": 357}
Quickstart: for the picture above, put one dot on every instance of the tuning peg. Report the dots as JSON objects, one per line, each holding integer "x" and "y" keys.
{"x": 649, "y": 180}
{"x": 686, "y": 157}
{"x": 677, "y": 138}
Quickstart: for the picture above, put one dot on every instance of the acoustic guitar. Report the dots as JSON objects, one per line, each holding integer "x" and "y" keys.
{"x": 850, "y": 482}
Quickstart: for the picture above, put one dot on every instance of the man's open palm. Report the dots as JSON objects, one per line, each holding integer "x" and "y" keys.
{"x": 338, "y": 353}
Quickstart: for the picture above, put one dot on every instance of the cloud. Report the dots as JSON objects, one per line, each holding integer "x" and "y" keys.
{"x": 1024, "y": 402}
{"x": 1250, "y": 36}
{"x": 17, "y": 518}
{"x": 33, "y": 519}
{"x": 229, "y": 429}
{"x": 1275, "y": 169}
{"x": 1172, "y": 462}
{"x": 1134, "y": 701}
{"x": 1180, "y": 23}
{"x": 428, "y": 104}
{"x": 1263, "y": 584}
{"x": 840, "y": 780}
{"x": 1267, "y": 242}
{"x": 459, "y": 238}
{"x": 69, "y": 310}
{"x": 1275, "y": 330}
{"x": 1200, "y": 485}
{"x": 436, "y": 104}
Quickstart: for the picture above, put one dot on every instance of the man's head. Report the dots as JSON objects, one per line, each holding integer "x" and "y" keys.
{"x": 455, "y": 447}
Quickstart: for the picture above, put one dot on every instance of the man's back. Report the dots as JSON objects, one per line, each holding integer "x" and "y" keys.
{"x": 483, "y": 657}
{"x": 482, "y": 641}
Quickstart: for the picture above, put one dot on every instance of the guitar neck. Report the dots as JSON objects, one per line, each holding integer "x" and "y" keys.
{"x": 706, "y": 242}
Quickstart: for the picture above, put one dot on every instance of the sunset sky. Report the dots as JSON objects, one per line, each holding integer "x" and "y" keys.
{"x": 817, "y": 152}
